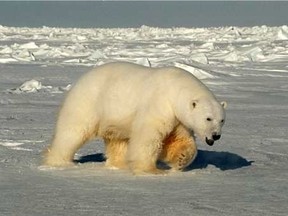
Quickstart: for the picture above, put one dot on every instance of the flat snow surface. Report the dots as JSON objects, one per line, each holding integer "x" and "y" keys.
{"x": 245, "y": 173}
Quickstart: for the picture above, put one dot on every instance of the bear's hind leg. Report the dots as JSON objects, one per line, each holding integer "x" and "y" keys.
{"x": 65, "y": 144}
{"x": 116, "y": 154}
{"x": 179, "y": 149}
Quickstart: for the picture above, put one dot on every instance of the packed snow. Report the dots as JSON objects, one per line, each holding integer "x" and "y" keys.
{"x": 243, "y": 174}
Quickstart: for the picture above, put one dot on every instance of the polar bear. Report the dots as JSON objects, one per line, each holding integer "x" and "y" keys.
{"x": 143, "y": 114}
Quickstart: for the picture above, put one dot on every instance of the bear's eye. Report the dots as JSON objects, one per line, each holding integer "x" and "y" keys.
{"x": 209, "y": 119}
{"x": 222, "y": 121}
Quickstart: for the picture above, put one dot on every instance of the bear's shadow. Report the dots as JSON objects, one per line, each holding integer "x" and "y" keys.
{"x": 222, "y": 160}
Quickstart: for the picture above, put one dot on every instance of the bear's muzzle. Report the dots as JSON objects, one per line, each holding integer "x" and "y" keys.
{"x": 215, "y": 137}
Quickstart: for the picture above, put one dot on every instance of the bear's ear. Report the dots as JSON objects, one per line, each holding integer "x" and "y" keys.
{"x": 224, "y": 104}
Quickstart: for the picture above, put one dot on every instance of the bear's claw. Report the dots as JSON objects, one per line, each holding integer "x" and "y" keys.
{"x": 183, "y": 161}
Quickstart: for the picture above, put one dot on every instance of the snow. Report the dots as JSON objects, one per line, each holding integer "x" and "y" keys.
{"x": 243, "y": 174}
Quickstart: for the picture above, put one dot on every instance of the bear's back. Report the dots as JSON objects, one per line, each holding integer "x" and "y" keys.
{"x": 133, "y": 80}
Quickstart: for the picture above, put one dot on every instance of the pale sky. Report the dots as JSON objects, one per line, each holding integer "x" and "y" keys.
{"x": 134, "y": 14}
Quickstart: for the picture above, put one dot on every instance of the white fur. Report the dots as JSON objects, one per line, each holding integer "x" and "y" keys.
{"x": 136, "y": 106}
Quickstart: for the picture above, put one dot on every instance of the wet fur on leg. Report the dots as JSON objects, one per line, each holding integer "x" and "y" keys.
{"x": 116, "y": 151}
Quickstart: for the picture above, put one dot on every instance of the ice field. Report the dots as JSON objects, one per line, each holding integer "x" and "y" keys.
{"x": 243, "y": 174}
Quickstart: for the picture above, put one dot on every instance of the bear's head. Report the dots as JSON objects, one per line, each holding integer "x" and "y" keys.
{"x": 204, "y": 116}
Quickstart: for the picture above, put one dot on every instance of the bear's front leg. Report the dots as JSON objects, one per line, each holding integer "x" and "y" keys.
{"x": 144, "y": 147}
{"x": 179, "y": 149}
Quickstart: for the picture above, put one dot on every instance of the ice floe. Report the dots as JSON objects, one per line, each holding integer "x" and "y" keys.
{"x": 283, "y": 33}
{"x": 18, "y": 145}
{"x": 146, "y": 45}
{"x": 32, "y": 86}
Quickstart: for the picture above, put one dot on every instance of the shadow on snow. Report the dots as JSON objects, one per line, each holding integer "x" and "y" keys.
{"x": 222, "y": 160}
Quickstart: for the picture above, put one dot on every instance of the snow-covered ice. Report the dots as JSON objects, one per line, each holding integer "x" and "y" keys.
{"x": 245, "y": 173}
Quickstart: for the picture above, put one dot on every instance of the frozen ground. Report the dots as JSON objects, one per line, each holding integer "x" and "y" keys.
{"x": 245, "y": 173}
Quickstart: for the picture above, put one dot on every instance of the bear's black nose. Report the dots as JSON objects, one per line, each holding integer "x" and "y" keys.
{"x": 216, "y": 137}
{"x": 210, "y": 142}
